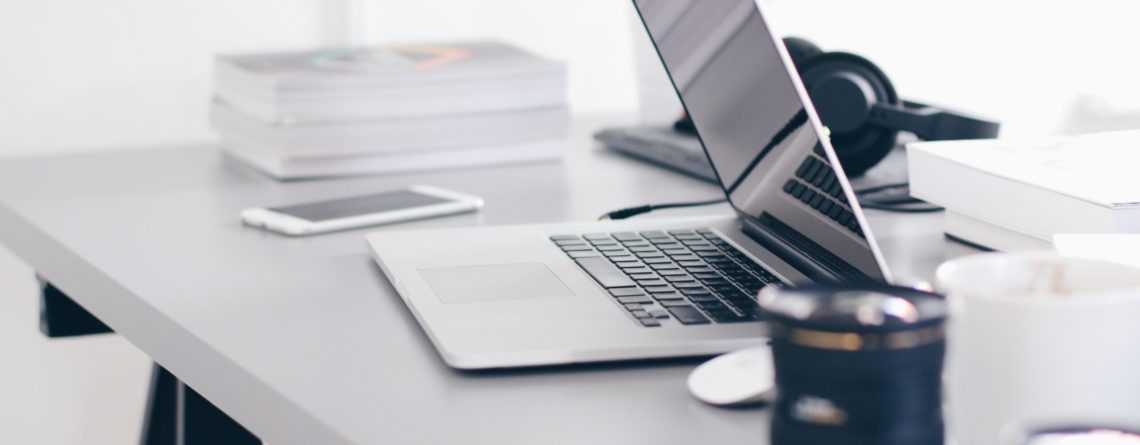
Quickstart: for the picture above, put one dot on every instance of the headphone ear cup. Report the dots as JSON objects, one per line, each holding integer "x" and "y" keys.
{"x": 843, "y": 88}
{"x": 801, "y": 50}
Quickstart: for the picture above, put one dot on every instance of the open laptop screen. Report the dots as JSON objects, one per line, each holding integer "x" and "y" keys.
{"x": 753, "y": 120}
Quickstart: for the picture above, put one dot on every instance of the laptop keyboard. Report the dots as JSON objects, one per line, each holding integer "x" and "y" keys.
{"x": 691, "y": 276}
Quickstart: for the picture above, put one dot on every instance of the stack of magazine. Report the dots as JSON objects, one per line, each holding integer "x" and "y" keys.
{"x": 389, "y": 109}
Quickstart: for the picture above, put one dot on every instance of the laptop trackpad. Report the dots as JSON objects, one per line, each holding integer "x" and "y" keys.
{"x": 475, "y": 284}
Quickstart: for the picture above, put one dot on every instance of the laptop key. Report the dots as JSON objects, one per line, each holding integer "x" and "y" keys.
{"x": 626, "y": 291}
{"x": 658, "y": 313}
{"x": 582, "y": 254}
{"x": 649, "y": 322}
{"x": 617, "y": 258}
{"x": 634, "y": 300}
{"x": 659, "y": 289}
{"x": 668, "y": 296}
{"x": 702, "y": 299}
{"x": 673, "y": 303}
{"x": 709, "y": 306}
{"x": 629, "y": 264}
{"x": 672, "y": 272}
{"x": 653, "y": 282}
{"x": 606, "y": 274}
{"x": 659, "y": 260}
{"x": 626, "y": 236}
{"x": 577, "y": 248}
{"x": 643, "y": 276}
{"x": 564, "y": 237}
{"x": 730, "y": 317}
{"x": 687, "y": 314}
{"x": 654, "y": 254}
{"x": 695, "y": 293}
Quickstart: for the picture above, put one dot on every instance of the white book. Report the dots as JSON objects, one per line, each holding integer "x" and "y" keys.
{"x": 391, "y": 81}
{"x": 352, "y": 138}
{"x": 1036, "y": 188}
{"x": 990, "y": 236}
{"x": 284, "y": 168}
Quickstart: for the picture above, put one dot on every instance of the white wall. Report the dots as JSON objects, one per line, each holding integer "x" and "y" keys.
{"x": 76, "y": 74}
{"x": 1025, "y": 63}
{"x": 80, "y": 75}
{"x": 592, "y": 35}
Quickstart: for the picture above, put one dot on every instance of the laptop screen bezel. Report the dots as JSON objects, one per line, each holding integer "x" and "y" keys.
{"x": 749, "y": 222}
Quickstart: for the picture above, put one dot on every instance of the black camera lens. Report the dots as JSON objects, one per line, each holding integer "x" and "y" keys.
{"x": 857, "y": 366}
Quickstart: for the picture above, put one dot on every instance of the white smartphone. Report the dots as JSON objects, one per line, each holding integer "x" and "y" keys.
{"x": 415, "y": 202}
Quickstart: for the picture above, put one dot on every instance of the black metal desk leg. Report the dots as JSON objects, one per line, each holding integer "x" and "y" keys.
{"x": 202, "y": 423}
{"x": 177, "y": 415}
{"x": 161, "y": 409}
{"x": 60, "y": 316}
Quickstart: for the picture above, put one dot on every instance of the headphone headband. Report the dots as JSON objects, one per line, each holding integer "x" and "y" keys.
{"x": 932, "y": 123}
{"x": 857, "y": 101}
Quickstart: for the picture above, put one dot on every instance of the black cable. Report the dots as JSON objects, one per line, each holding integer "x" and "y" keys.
{"x": 634, "y": 211}
{"x": 895, "y": 185}
{"x": 893, "y": 205}
{"x": 902, "y": 209}
{"x": 897, "y": 201}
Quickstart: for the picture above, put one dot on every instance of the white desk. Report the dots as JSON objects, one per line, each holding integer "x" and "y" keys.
{"x": 303, "y": 340}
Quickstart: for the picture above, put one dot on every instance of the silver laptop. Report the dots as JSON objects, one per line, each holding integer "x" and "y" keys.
{"x": 493, "y": 297}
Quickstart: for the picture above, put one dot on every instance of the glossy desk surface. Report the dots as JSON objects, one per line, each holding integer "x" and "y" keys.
{"x": 303, "y": 340}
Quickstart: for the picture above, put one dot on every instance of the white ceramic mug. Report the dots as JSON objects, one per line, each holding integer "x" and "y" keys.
{"x": 1099, "y": 430}
{"x": 1035, "y": 335}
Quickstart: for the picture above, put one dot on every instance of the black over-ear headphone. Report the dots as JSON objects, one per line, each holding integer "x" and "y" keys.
{"x": 859, "y": 106}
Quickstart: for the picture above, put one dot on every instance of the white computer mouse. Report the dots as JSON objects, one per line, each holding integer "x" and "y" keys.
{"x": 737, "y": 378}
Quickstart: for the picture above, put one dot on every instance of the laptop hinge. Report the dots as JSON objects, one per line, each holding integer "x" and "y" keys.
{"x": 809, "y": 258}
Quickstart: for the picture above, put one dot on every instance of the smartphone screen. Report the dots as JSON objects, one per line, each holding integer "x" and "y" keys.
{"x": 359, "y": 205}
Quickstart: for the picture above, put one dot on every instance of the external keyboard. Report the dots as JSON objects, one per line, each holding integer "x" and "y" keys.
{"x": 691, "y": 276}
